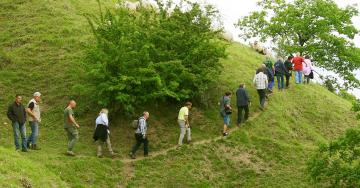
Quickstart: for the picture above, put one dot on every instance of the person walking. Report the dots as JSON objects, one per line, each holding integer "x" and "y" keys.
{"x": 270, "y": 73}
{"x": 71, "y": 127}
{"x": 17, "y": 115}
{"x": 298, "y": 67}
{"x": 243, "y": 103}
{"x": 289, "y": 67}
{"x": 225, "y": 111}
{"x": 307, "y": 70}
{"x": 33, "y": 110}
{"x": 184, "y": 124}
{"x": 280, "y": 72}
{"x": 261, "y": 82}
{"x": 141, "y": 136}
{"x": 102, "y": 133}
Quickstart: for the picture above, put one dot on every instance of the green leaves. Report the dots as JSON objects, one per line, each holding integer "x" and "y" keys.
{"x": 146, "y": 55}
{"x": 337, "y": 164}
{"x": 318, "y": 28}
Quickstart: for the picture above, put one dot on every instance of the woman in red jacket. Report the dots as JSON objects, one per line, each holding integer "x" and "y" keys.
{"x": 298, "y": 67}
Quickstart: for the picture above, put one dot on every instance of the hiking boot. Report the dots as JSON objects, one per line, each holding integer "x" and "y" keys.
{"x": 225, "y": 134}
{"x": 35, "y": 147}
{"x": 147, "y": 155}
{"x": 24, "y": 150}
{"x": 132, "y": 156}
{"x": 70, "y": 153}
{"x": 100, "y": 156}
{"x": 28, "y": 145}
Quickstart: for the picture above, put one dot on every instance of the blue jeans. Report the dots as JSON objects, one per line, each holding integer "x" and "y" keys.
{"x": 271, "y": 85}
{"x": 34, "y": 132}
{"x": 280, "y": 81}
{"x": 19, "y": 130}
{"x": 298, "y": 77}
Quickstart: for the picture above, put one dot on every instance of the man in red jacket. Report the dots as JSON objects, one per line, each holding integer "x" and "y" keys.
{"x": 298, "y": 67}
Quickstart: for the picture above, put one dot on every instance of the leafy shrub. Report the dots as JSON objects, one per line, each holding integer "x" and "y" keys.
{"x": 167, "y": 53}
{"x": 338, "y": 164}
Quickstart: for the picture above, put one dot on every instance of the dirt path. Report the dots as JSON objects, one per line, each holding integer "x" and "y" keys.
{"x": 201, "y": 142}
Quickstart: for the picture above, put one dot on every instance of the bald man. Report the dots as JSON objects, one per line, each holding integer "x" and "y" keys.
{"x": 71, "y": 127}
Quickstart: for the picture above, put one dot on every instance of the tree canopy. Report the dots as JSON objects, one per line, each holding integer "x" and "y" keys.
{"x": 150, "y": 54}
{"x": 319, "y": 28}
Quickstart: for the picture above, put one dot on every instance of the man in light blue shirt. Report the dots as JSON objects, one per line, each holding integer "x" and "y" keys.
{"x": 140, "y": 136}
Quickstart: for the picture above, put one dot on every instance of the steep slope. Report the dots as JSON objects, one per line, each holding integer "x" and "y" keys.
{"x": 269, "y": 151}
{"x": 42, "y": 44}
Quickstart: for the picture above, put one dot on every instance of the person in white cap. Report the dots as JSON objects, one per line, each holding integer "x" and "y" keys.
{"x": 33, "y": 110}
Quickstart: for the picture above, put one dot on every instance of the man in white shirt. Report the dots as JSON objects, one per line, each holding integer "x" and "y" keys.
{"x": 261, "y": 82}
{"x": 102, "y": 133}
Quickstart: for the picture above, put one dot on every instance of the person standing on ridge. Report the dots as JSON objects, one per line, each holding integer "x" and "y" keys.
{"x": 243, "y": 103}
{"x": 17, "y": 115}
{"x": 298, "y": 67}
{"x": 71, "y": 127}
{"x": 307, "y": 70}
{"x": 183, "y": 121}
{"x": 33, "y": 110}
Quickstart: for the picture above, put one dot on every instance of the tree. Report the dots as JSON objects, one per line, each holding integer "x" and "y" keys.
{"x": 337, "y": 164}
{"x": 153, "y": 53}
{"x": 318, "y": 28}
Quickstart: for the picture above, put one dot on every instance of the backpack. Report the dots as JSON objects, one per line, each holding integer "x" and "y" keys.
{"x": 135, "y": 123}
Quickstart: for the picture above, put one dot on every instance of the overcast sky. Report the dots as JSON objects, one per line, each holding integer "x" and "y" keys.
{"x": 232, "y": 10}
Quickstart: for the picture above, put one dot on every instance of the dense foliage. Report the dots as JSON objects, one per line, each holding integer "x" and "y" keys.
{"x": 154, "y": 53}
{"x": 338, "y": 164}
{"x": 318, "y": 28}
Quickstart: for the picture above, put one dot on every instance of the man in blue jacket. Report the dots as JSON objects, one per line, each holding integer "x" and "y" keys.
{"x": 243, "y": 102}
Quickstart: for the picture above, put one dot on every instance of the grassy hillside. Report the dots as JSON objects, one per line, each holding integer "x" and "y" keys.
{"x": 42, "y": 44}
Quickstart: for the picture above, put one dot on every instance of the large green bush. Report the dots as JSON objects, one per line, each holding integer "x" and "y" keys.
{"x": 338, "y": 164}
{"x": 151, "y": 54}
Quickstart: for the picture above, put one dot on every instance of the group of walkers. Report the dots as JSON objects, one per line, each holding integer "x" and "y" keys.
{"x": 263, "y": 82}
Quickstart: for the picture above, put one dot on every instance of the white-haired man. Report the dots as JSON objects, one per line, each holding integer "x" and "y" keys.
{"x": 33, "y": 110}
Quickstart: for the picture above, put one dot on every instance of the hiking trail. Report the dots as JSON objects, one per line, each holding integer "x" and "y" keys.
{"x": 206, "y": 141}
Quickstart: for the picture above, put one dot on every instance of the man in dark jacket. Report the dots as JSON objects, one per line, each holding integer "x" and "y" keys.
{"x": 16, "y": 113}
{"x": 243, "y": 102}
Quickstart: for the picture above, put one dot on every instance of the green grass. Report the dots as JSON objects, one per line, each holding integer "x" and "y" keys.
{"x": 43, "y": 44}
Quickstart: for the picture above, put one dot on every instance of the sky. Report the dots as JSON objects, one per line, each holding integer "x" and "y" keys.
{"x": 232, "y": 10}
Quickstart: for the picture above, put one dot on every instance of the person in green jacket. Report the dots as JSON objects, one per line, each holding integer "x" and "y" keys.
{"x": 289, "y": 66}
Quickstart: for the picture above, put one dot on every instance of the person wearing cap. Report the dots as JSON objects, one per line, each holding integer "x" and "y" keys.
{"x": 33, "y": 110}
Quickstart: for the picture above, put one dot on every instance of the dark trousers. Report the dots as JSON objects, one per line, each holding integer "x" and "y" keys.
{"x": 262, "y": 95}
{"x": 287, "y": 80}
{"x": 139, "y": 140}
{"x": 240, "y": 113}
{"x": 280, "y": 81}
